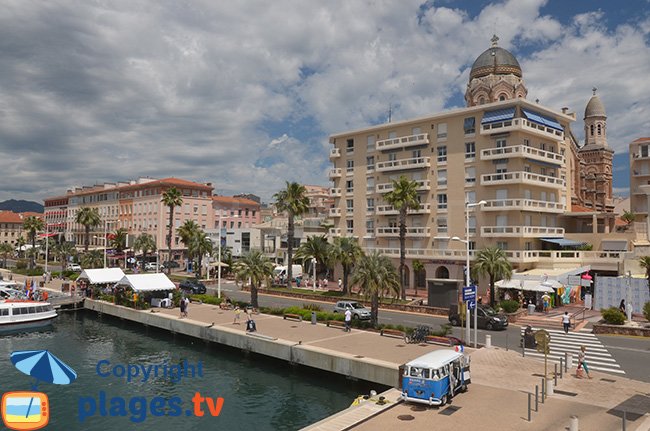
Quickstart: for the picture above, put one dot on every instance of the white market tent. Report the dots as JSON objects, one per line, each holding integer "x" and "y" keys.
{"x": 527, "y": 285}
{"x": 102, "y": 275}
{"x": 147, "y": 282}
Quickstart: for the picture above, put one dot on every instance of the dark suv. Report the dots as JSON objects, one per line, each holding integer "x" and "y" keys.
{"x": 192, "y": 286}
{"x": 486, "y": 318}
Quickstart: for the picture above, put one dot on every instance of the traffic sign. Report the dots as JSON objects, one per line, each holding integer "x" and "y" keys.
{"x": 471, "y": 304}
{"x": 469, "y": 293}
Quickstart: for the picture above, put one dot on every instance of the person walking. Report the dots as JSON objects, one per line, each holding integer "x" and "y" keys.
{"x": 340, "y": 283}
{"x": 182, "y": 305}
{"x": 545, "y": 302}
{"x": 237, "y": 315}
{"x": 566, "y": 322}
{"x": 348, "y": 319}
{"x": 621, "y": 306}
{"x": 582, "y": 363}
{"x": 187, "y": 306}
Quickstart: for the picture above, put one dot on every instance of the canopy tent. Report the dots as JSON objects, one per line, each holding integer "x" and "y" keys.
{"x": 147, "y": 282}
{"x": 102, "y": 275}
{"x": 563, "y": 242}
{"x": 542, "y": 119}
{"x": 527, "y": 285}
{"x": 215, "y": 264}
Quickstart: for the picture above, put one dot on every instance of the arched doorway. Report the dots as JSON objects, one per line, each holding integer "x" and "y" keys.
{"x": 442, "y": 272}
{"x": 420, "y": 278}
{"x": 407, "y": 277}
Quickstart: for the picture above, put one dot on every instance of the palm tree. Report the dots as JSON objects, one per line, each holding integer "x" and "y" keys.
{"x": 20, "y": 243}
{"x": 63, "y": 250}
{"x": 644, "y": 262}
{"x": 315, "y": 247}
{"x": 32, "y": 225}
{"x": 199, "y": 245}
{"x": 493, "y": 262}
{"x": 5, "y": 250}
{"x": 171, "y": 198}
{"x": 418, "y": 267}
{"x": 144, "y": 243}
{"x": 403, "y": 197}
{"x": 89, "y": 218}
{"x": 347, "y": 252}
{"x": 186, "y": 232}
{"x": 93, "y": 259}
{"x": 291, "y": 200}
{"x": 257, "y": 268}
{"x": 376, "y": 277}
{"x": 118, "y": 240}
{"x": 628, "y": 217}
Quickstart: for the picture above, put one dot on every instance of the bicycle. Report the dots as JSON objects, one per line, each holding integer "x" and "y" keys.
{"x": 419, "y": 335}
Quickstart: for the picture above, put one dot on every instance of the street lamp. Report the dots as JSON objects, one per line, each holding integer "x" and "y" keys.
{"x": 99, "y": 237}
{"x": 467, "y": 271}
{"x": 313, "y": 263}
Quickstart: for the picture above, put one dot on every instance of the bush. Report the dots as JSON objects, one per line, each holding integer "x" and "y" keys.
{"x": 312, "y": 307}
{"x": 21, "y": 264}
{"x": 613, "y": 316}
{"x": 509, "y": 306}
{"x": 646, "y": 310}
{"x": 206, "y": 299}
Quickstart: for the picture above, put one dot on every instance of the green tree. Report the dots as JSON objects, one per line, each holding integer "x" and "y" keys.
{"x": 645, "y": 264}
{"x": 187, "y": 231}
{"x": 347, "y": 252}
{"x": 293, "y": 201}
{"x": 93, "y": 259}
{"x": 89, "y": 218}
{"x": 376, "y": 277}
{"x": 146, "y": 244}
{"x": 418, "y": 267}
{"x": 493, "y": 262}
{"x": 257, "y": 268}
{"x": 118, "y": 241}
{"x": 32, "y": 225}
{"x": 199, "y": 245}
{"x": 63, "y": 250}
{"x": 315, "y": 247}
{"x": 628, "y": 217}
{"x": 172, "y": 198}
{"x": 6, "y": 249}
{"x": 403, "y": 197}
{"x": 20, "y": 244}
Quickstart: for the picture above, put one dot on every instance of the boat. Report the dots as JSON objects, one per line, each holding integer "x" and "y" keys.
{"x": 18, "y": 313}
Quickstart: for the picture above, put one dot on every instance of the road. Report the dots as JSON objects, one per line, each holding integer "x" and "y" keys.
{"x": 630, "y": 353}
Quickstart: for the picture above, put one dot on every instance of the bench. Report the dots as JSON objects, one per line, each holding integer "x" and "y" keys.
{"x": 336, "y": 323}
{"x": 444, "y": 341}
{"x": 392, "y": 332}
{"x": 286, "y": 316}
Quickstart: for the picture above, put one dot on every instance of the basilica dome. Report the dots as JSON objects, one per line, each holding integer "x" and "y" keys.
{"x": 495, "y": 61}
{"x": 595, "y": 107}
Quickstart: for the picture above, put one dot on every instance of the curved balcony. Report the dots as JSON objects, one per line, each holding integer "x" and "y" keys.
{"x": 403, "y": 142}
{"x": 522, "y": 231}
{"x": 390, "y": 210}
{"x": 335, "y": 192}
{"x": 387, "y": 231}
{"x": 523, "y": 205}
{"x": 335, "y": 153}
{"x": 522, "y": 177}
{"x": 335, "y": 173}
{"x": 522, "y": 151}
{"x": 422, "y": 185}
{"x": 522, "y": 124}
{"x": 335, "y": 212}
{"x": 403, "y": 164}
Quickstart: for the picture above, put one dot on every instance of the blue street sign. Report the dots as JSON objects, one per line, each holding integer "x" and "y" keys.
{"x": 471, "y": 304}
{"x": 469, "y": 293}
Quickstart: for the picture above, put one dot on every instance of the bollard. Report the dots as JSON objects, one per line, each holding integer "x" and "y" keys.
{"x": 529, "y": 405}
{"x": 567, "y": 364}
{"x": 314, "y": 319}
{"x": 573, "y": 423}
{"x": 561, "y": 368}
{"x": 555, "y": 375}
{"x": 506, "y": 341}
{"x": 536, "y": 398}
{"x": 543, "y": 388}
{"x": 624, "y": 420}
{"x": 488, "y": 341}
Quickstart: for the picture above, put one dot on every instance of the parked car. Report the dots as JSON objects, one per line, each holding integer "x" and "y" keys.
{"x": 73, "y": 267}
{"x": 486, "y": 318}
{"x": 171, "y": 264}
{"x": 358, "y": 310}
{"x": 192, "y": 286}
{"x": 150, "y": 266}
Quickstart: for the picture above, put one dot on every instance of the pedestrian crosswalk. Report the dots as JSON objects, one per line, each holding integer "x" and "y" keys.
{"x": 597, "y": 356}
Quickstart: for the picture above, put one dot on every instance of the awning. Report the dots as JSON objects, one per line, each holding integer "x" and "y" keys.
{"x": 102, "y": 275}
{"x": 216, "y": 264}
{"x": 498, "y": 115}
{"x": 614, "y": 245}
{"x": 563, "y": 242}
{"x": 147, "y": 282}
{"x": 527, "y": 285}
{"x": 542, "y": 119}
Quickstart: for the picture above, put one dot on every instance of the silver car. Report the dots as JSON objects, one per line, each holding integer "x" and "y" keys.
{"x": 358, "y": 310}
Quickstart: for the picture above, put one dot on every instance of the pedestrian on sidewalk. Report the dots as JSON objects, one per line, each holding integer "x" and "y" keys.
{"x": 621, "y": 306}
{"x": 237, "y": 315}
{"x": 566, "y": 322}
{"x": 582, "y": 363}
{"x": 187, "y": 306}
{"x": 182, "y": 305}
{"x": 348, "y": 319}
{"x": 340, "y": 283}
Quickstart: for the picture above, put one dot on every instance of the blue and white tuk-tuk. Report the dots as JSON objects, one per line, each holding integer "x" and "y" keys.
{"x": 436, "y": 377}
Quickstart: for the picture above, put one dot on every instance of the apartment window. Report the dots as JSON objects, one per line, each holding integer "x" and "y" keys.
{"x": 370, "y": 143}
{"x": 528, "y": 246}
{"x": 442, "y": 201}
{"x": 471, "y": 221}
{"x": 349, "y": 166}
{"x": 370, "y": 204}
{"x": 442, "y": 224}
{"x": 469, "y": 124}
{"x": 542, "y": 146}
{"x": 472, "y": 245}
{"x": 349, "y": 186}
{"x": 528, "y": 220}
{"x": 470, "y": 175}
{"x": 526, "y": 168}
{"x": 470, "y": 150}
{"x": 416, "y": 154}
{"x": 501, "y": 143}
{"x": 527, "y": 142}
{"x": 349, "y": 147}
{"x": 370, "y": 227}
{"x": 542, "y": 171}
{"x": 392, "y": 157}
{"x": 239, "y": 224}
{"x": 238, "y": 213}
{"x": 350, "y": 226}
{"x": 442, "y": 131}
{"x": 246, "y": 212}
{"x": 349, "y": 203}
{"x": 470, "y": 197}
{"x": 644, "y": 150}
{"x": 442, "y": 154}
{"x": 370, "y": 184}
{"x": 503, "y": 245}
{"x": 442, "y": 178}
{"x": 370, "y": 163}
{"x": 392, "y": 135}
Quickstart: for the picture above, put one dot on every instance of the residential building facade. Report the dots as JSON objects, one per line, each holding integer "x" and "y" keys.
{"x": 235, "y": 212}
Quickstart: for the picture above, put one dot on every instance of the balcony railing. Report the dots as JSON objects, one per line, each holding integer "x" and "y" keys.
{"x": 521, "y": 124}
{"x": 410, "y": 231}
{"x": 334, "y": 153}
{"x": 335, "y": 192}
{"x": 522, "y": 231}
{"x": 388, "y": 187}
{"x": 335, "y": 212}
{"x": 521, "y": 177}
{"x": 404, "y": 141}
{"x": 335, "y": 173}
{"x": 523, "y": 205}
{"x": 390, "y": 210}
{"x": 522, "y": 151}
{"x": 398, "y": 165}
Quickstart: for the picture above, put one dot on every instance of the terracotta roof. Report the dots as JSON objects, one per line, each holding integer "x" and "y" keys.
{"x": 10, "y": 217}
{"x": 56, "y": 198}
{"x": 234, "y": 200}
{"x": 31, "y": 214}
{"x": 171, "y": 181}
{"x": 640, "y": 140}
{"x": 581, "y": 209}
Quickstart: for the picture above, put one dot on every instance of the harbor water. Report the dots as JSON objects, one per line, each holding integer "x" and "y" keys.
{"x": 256, "y": 392}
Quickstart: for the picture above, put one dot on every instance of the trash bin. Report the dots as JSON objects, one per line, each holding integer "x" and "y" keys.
{"x": 531, "y": 309}
{"x": 313, "y": 317}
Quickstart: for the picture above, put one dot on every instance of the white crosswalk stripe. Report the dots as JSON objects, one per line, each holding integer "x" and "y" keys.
{"x": 597, "y": 356}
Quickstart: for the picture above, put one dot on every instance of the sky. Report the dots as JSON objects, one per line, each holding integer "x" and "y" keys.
{"x": 245, "y": 94}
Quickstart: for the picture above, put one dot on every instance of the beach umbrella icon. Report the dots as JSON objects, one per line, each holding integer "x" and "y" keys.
{"x": 43, "y": 366}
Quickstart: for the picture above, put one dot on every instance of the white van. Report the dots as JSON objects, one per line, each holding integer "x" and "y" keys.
{"x": 281, "y": 271}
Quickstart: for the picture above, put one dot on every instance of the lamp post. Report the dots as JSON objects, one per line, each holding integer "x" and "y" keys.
{"x": 628, "y": 305}
{"x": 467, "y": 271}
{"x": 219, "y": 256}
{"x": 313, "y": 264}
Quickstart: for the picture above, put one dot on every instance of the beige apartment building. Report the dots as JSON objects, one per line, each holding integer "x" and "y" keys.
{"x": 517, "y": 156}
{"x": 640, "y": 180}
